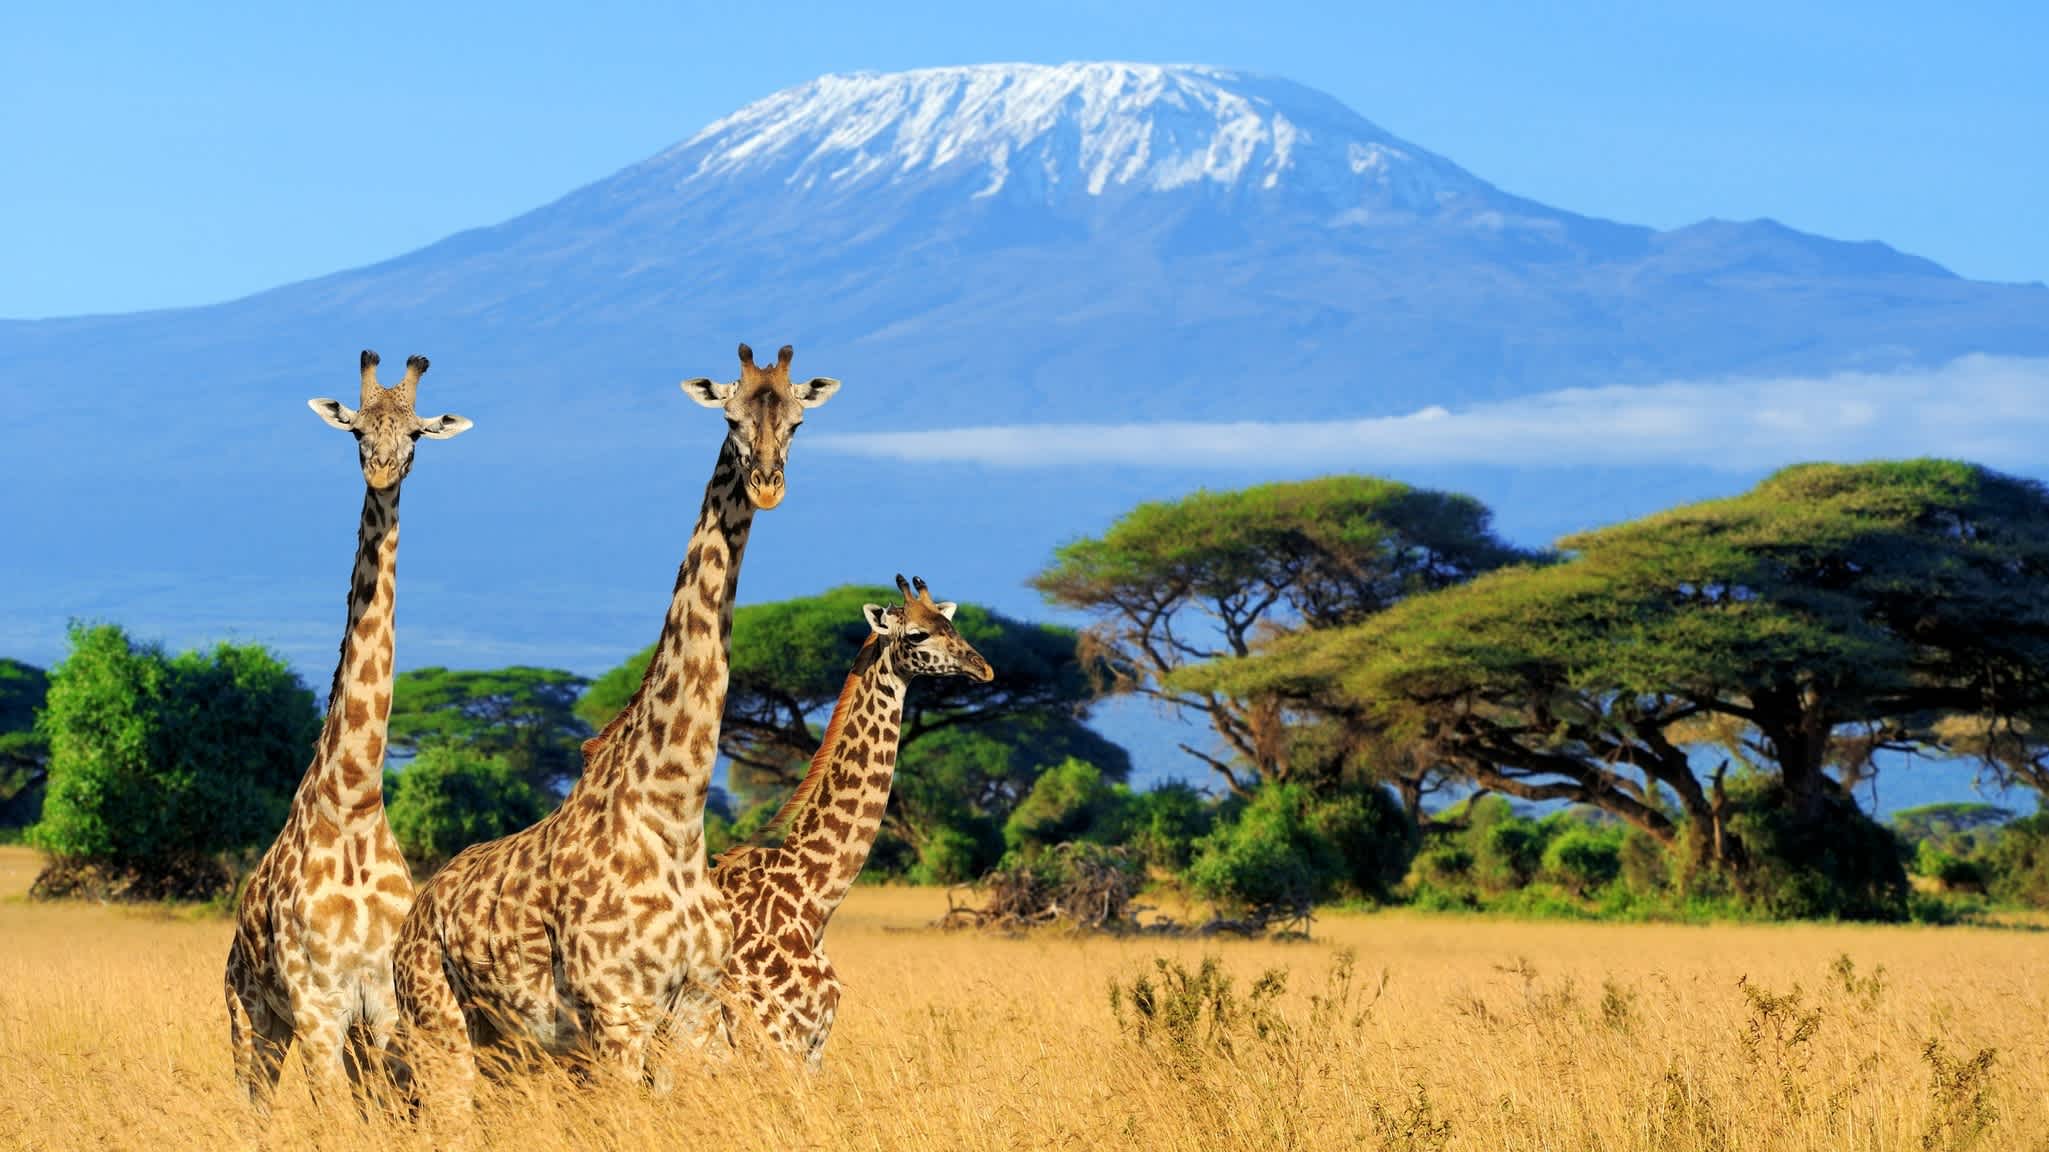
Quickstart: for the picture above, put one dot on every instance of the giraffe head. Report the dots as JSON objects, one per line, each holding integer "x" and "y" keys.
{"x": 763, "y": 410}
{"x": 384, "y": 424}
{"x": 923, "y": 636}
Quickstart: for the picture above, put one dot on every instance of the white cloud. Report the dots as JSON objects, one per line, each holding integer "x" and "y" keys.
{"x": 1989, "y": 409}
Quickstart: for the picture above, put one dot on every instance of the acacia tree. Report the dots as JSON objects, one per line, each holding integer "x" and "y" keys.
{"x": 1830, "y": 612}
{"x": 1208, "y": 577}
{"x": 525, "y": 715}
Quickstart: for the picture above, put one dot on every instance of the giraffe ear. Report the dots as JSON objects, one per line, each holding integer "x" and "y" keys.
{"x": 444, "y": 426}
{"x": 815, "y": 391}
{"x": 946, "y": 608}
{"x": 334, "y": 412}
{"x": 709, "y": 393}
{"x": 878, "y": 618}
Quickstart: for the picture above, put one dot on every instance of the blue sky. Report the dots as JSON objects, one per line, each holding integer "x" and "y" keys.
{"x": 168, "y": 155}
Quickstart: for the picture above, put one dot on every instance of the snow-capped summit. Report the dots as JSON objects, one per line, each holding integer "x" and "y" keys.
{"x": 1096, "y": 129}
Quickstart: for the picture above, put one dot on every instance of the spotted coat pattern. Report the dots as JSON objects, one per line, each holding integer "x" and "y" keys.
{"x": 782, "y": 896}
{"x": 311, "y": 957}
{"x": 574, "y": 935}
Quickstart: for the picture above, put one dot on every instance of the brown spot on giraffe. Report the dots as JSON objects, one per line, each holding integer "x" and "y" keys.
{"x": 783, "y": 893}
{"x": 638, "y": 923}
{"x": 311, "y": 958}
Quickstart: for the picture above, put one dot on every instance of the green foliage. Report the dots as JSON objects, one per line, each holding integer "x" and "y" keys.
{"x": 968, "y": 780}
{"x": 1287, "y": 849}
{"x": 525, "y": 716}
{"x": 1069, "y": 801}
{"x": 1839, "y": 599}
{"x": 1166, "y": 821}
{"x": 449, "y": 798}
{"x": 24, "y": 752}
{"x": 968, "y": 755}
{"x": 1584, "y": 859}
{"x": 1197, "y": 579}
{"x": 1951, "y": 843}
{"x": 951, "y": 855}
{"x": 156, "y": 760}
{"x": 2018, "y": 862}
{"x": 1842, "y": 866}
{"x": 790, "y": 660}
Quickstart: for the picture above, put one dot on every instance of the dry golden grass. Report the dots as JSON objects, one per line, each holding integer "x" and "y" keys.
{"x": 1485, "y": 1036}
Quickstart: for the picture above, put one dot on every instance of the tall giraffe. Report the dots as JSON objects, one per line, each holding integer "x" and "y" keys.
{"x": 782, "y": 895}
{"x": 311, "y": 958}
{"x": 579, "y": 931}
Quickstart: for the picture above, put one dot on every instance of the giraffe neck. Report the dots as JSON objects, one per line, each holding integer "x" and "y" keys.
{"x": 346, "y": 779}
{"x": 655, "y": 758}
{"x": 836, "y": 812}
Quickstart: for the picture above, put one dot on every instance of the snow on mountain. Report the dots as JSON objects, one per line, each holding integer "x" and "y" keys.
{"x": 1095, "y": 129}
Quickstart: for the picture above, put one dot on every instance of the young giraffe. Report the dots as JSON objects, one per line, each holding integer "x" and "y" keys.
{"x": 783, "y": 895}
{"x": 578, "y": 931}
{"x": 311, "y": 958}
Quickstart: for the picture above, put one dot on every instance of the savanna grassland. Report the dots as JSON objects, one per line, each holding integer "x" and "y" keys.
{"x": 1449, "y": 1033}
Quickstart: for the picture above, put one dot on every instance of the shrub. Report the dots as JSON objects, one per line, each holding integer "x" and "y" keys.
{"x": 449, "y": 798}
{"x": 1582, "y": 858}
{"x": 1955, "y": 873}
{"x": 949, "y": 855}
{"x": 2018, "y": 862}
{"x": 1507, "y": 854}
{"x": 1370, "y": 835}
{"x": 1444, "y": 866}
{"x": 1069, "y": 801}
{"x": 157, "y": 762}
{"x": 1166, "y": 821}
{"x": 1288, "y": 849}
{"x": 1841, "y": 864}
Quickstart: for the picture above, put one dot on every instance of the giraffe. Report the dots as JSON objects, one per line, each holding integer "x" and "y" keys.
{"x": 783, "y": 895}
{"x": 311, "y": 957}
{"x": 573, "y": 935}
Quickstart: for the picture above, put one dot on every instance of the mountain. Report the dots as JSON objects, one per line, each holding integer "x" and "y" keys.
{"x": 1092, "y": 243}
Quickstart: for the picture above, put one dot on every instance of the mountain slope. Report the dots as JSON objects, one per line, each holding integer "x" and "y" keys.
{"x": 983, "y": 245}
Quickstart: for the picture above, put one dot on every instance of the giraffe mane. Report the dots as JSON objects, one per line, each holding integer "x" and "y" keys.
{"x": 778, "y": 825}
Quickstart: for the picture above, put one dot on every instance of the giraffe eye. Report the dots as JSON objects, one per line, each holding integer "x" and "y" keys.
{"x": 916, "y": 637}
{"x": 732, "y": 424}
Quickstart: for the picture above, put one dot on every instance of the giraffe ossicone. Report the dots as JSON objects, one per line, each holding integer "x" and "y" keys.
{"x": 579, "y": 932}
{"x": 783, "y": 893}
{"x": 311, "y": 958}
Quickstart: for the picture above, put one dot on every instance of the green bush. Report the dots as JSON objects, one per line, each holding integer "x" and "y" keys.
{"x": 1583, "y": 858}
{"x": 1369, "y": 833}
{"x": 1444, "y": 866}
{"x": 449, "y": 798}
{"x": 2018, "y": 862}
{"x": 1955, "y": 873}
{"x": 158, "y": 761}
{"x": 1287, "y": 849}
{"x": 1069, "y": 801}
{"x": 1166, "y": 821}
{"x": 1839, "y": 865}
{"x": 949, "y": 855}
{"x": 1506, "y": 855}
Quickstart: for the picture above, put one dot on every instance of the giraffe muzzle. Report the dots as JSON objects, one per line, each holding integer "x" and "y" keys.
{"x": 765, "y": 489}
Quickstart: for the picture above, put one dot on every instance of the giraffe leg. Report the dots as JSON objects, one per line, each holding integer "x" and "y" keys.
{"x": 620, "y": 1040}
{"x": 371, "y": 1056}
{"x": 814, "y": 1051}
{"x": 322, "y": 1034}
{"x": 436, "y": 1051}
{"x": 259, "y": 1036}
